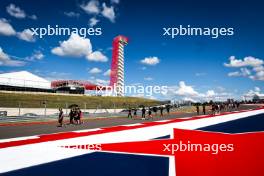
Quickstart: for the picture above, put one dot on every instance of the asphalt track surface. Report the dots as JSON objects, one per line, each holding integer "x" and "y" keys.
{"x": 28, "y": 129}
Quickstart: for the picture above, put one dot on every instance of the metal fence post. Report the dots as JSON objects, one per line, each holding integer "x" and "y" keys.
{"x": 19, "y": 106}
{"x": 45, "y": 111}
{"x": 66, "y": 107}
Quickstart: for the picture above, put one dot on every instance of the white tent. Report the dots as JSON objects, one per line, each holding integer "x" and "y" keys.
{"x": 24, "y": 79}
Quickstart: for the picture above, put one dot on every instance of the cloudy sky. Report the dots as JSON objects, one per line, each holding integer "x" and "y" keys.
{"x": 197, "y": 68}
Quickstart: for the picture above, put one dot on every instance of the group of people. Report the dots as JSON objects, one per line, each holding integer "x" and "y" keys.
{"x": 75, "y": 115}
{"x": 217, "y": 108}
{"x": 147, "y": 113}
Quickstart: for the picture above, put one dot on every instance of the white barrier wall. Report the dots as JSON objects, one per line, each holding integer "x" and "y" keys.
{"x": 48, "y": 111}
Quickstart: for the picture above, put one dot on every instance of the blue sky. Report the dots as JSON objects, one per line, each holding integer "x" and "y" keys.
{"x": 196, "y": 61}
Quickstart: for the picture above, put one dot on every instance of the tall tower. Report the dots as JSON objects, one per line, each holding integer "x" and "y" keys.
{"x": 117, "y": 66}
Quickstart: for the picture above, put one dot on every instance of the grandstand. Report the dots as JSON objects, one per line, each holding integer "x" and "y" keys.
{"x": 24, "y": 81}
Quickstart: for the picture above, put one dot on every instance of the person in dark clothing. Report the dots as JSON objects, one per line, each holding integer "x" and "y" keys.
{"x": 204, "y": 111}
{"x": 197, "y": 109}
{"x": 168, "y": 109}
{"x": 61, "y": 116}
{"x": 155, "y": 110}
{"x": 71, "y": 115}
{"x": 129, "y": 113}
{"x": 135, "y": 113}
{"x": 143, "y": 113}
{"x": 149, "y": 113}
{"x": 78, "y": 116}
{"x": 213, "y": 109}
{"x": 161, "y": 111}
{"x": 75, "y": 115}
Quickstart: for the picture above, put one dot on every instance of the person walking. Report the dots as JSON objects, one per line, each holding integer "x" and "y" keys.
{"x": 168, "y": 109}
{"x": 78, "y": 116}
{"x": 71, "y": 115}
{"x": 204, "y": 111}
{"x": 197, "y": 109}
{"x": 161, "y": 111}
{"x": 60, "y": 118}
{"x": 149, "y": 113}
{"x": 155, "y": 110}
{"x": 135, "y": 114}
{"x": 129, "y": 113}
{"x": 213, "y": 109}
{"x": 143, "y": 115}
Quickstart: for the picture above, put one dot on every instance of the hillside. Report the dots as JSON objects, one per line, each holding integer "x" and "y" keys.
{"x": 27, "y": 100}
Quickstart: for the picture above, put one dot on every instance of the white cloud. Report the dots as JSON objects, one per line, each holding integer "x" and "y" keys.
{"x": 33, "y": 17}
{"x": 15, "y": 11}
{"x": 257, "y": 89}
{"x": 189, "y": 99}
{"x": 243, "y": 72}
{"x": 95, "y": 70}
{"x": 72, "y": 14}
{"x": 185, "y": 90}
{"x": 148, "y": 79}
{"x": 6, "y": 28}
{"x": 93, "y": 21}
{"x": 5, "y": 60}
{"x": 258, "y": 76}
{"x": 97, "y": 56}
{"x": 101, "y": 82}
{"x": 75, "y": 46}
{"x": 200, "y": 74}
{"x": 115, "y": 1}
{"x": 108, "y": 12}
{"x": 26, "y": 35}
{"x": 107, "y": 73}
{"x": 150, "y": 61}
{"x": 252, "y": 92}
{"x": 92, "y": 7}
{"x": 258, "y": 68}
{"x": 210, "y": 93}
{"x": 251, "y": 67}
{"x": 247, "y": 61}
{"x": 37, "y": 55}
{"x": 234, "y": 74}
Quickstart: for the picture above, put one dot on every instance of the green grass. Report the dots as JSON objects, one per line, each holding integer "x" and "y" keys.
{"x": 26, "y": 100}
